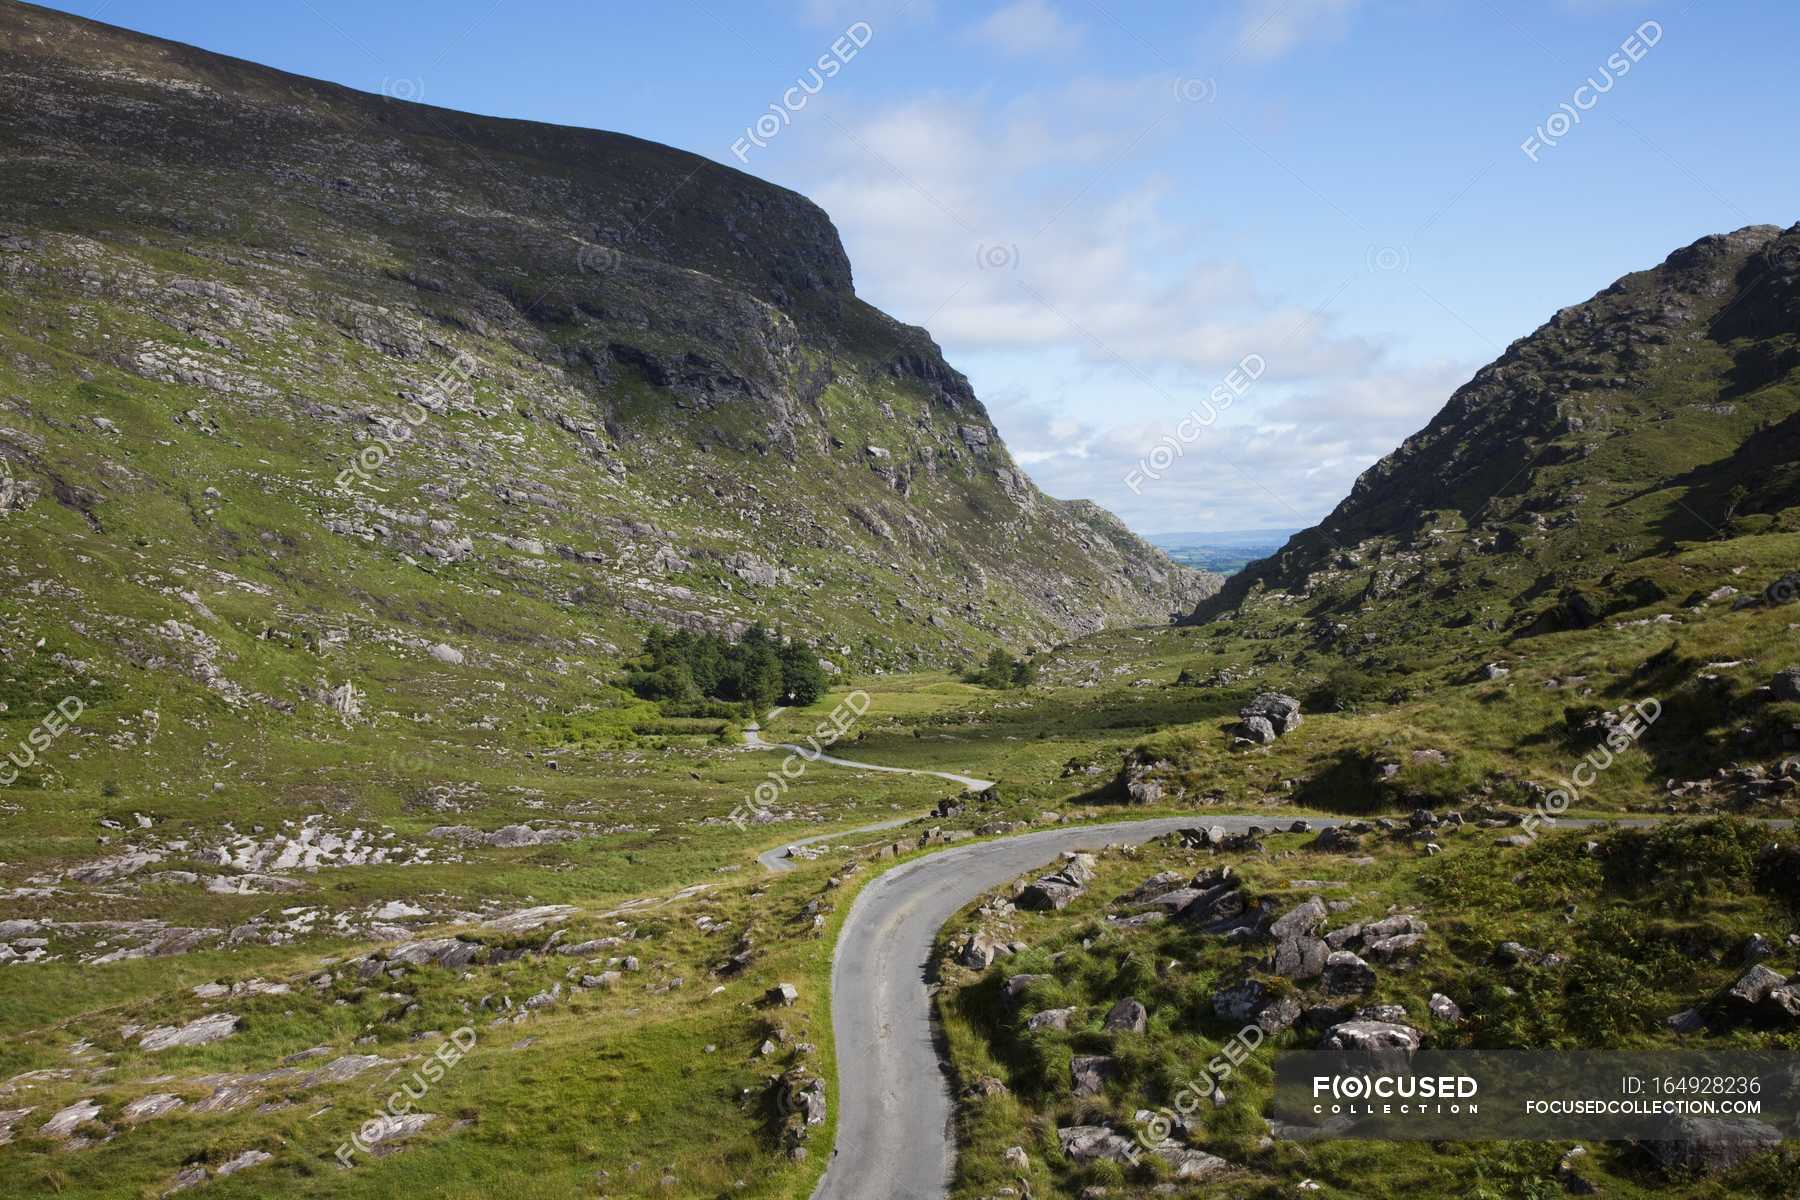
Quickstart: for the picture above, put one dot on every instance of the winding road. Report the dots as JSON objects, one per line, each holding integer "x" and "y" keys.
{"x": 777, "y": 858}
{"x": 893, "y": 1138}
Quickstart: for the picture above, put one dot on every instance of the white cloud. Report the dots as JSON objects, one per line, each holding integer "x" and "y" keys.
{"x": 840, "y": 13}
{"x": 1028, "y": 27}
{"x": 1094, "y": 307}
{"x": 1268, "y": 29}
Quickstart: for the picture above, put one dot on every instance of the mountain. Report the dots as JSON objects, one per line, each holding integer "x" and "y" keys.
{"x": 434, "y": 376}
{"x": 1663, "y": 411}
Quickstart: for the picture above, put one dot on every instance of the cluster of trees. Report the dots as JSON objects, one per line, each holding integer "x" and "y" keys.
{"x": 680, "y": 666}
{"x": 1002, "y": 670}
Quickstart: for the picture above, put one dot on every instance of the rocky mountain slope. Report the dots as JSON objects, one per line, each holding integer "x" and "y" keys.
{"x": 417, "y": 372}
{"x": 1665, "y": 410}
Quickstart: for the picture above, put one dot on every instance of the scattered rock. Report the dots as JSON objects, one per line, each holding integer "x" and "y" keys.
{"x": 1127, "y": 1016}
{"x": 1347, "y": 975}
{"x": 1372, "y": 1037}
{"x": 1090, "y": 1073}
{"x": 205, "y": 1031}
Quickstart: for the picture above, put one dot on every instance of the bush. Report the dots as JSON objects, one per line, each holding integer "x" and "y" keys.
{"x": 1002, "y": 670}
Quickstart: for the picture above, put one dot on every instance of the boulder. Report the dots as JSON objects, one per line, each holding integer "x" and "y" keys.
{"x": 1160, "y": 884}
{"x": 1390, "y": 949}
{"x": 1127, "y": 1016}
{"x": 1281, "y": 712}
{"x": 62, "y": 1126}
{"x": 1255, "y": 1002}
{"x": 1257, "y": 729}
{"x": 202, "y": 1032}
{"x": 1347, "y": 975}
{"x": 442, "y": 952}
{"x": 1095, "y": 1143}
{"x": 1786, "y": 684}
{"x": 1708, "y": 1145}
{"x": 782, "y": 995}
{"x": 1301, "y": 958}
{"x": 1090, "y": 1073}
{"x": 1307, "y": 918}
{"x": 1753, "y": 987}
{"x": 1444, "y": 1008}
{"x": 1017, "y": 985}
{"x": 977, "y": 952}
{"x": 1051, "y": 1018}
{"x": 1056, "y": 890}
{"x": 1372, "y": 1037}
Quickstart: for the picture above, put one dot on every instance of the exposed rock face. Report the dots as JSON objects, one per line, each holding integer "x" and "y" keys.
{"x": 202, "y": 1032}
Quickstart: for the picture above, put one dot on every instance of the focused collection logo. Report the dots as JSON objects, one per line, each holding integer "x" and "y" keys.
{"x": 1395, "y": 1095}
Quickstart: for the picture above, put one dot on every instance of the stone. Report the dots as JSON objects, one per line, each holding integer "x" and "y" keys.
{"x": 1127, "y": 1016}
{"x": 187, "y": 1177}
{"x": 1255, "y": 1002}
{"x": 447, "y": 654}
{"x": 62, "y": 1126}
{"x": 204, "y": 1031}
{"x": 452, "y": 953}
{"x": 1017, "y": 1159}
{"x": 1050, "y": 1018}
{"x": 1186, "y": 1163}
{"x": 1372, "y": 1037}
{"x": 1756, "y": 947}
{"x": 1301, "y": 958}
{"x": 1054, "y": 892}
{"x": 1707, "y": 1145}
{"x": 1389, "y": 949}
{"x": 1444, "y": 1008}
{"x": 1281, "y": 712}
{"x": 1017, "y": 985}
{"x": 1688, "y": 1020}
{"x": 150, "y": 1107}
{"x": 1090, "y": 1073}
{"x": 1095, "y": 1143}
{"x": 783, "y": 995}
{"x": 977, "y": 952}
{"x": 1346, "y": 974}
{"x": 244, "y": 1161}
{"x": 1257, "y": 729}
{"x": 1753, "y": 987}
{"x": 1786, "y": 684}
{"x": 1307, "y": 919}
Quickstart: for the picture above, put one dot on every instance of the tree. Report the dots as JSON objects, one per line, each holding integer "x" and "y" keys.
{"x": 802, "y": 678}
{"x": 759, "y": 678}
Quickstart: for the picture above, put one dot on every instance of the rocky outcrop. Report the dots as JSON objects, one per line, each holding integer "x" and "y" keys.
{"x": 1056, "y": 890}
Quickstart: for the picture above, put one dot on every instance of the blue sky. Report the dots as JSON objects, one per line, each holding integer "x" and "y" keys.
{"x": 1102, "y": 210}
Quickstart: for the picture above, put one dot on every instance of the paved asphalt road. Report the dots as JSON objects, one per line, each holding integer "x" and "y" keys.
{"x": 893, "y": 1139}
{"x": 776, "y": 859}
